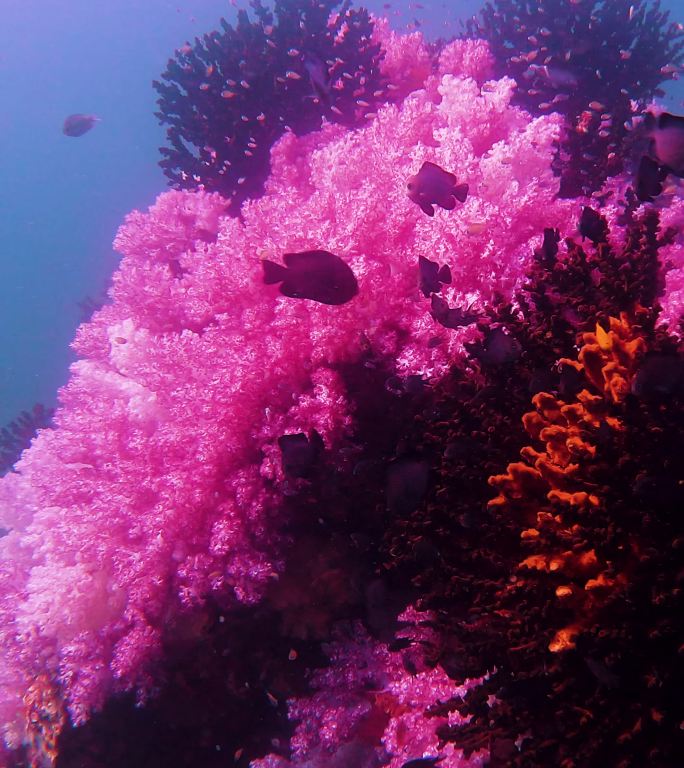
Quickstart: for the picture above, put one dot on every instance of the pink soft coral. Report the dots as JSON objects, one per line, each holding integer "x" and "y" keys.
{"x": 160, "y": 483}
{"x": 367, "y": 706}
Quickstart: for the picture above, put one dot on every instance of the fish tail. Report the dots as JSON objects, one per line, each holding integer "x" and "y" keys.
{"x": 273, "y": 273}
{"x": 461, "y": 192}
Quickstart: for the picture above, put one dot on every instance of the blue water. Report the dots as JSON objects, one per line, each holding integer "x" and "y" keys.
{"x": 62, "y": 199}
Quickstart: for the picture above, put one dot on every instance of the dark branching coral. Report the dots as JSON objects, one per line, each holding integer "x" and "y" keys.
{"x": 227, "y": 98}
{"x": 587, "y": 60}
{"x": 566, "y": 586}
{"x": 17, "y": 435}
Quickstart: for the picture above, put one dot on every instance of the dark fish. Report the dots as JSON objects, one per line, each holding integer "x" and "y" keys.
{"x": 593, "y": 226}
{"x": 499, "y": 348}
{"x": 451, "y": 318}
{"x": 411, "y": 385}
{"x": 422, "y": 762}
{"x": 300, "y": 453}
{"x": 557, "y": 77}
{"x": 602, "y": 673}
{"x": 649, "y": 179}
{"x": 407, "y": 483}
{"x": 432, "y": 276}
{"x": 77, "y": 125}
{"x": 316, "y": 275}
{"x": 432, "y": 186}
{"x": 318, "y": 76}
{"x": 550, "y": 245}
{"x": 658, "y": 376}
{"x": 571, "y": 381}
{"x": 667, "y": 142}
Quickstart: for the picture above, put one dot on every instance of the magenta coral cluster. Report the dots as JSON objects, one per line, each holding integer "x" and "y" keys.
{"x": 248, "y": 498}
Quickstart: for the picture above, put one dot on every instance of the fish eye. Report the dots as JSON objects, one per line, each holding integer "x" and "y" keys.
{"x": 410, "y": 185}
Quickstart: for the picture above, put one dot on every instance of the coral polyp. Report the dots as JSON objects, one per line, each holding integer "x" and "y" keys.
{"x": 229, "y": 96}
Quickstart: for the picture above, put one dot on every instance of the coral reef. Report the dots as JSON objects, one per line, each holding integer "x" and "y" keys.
{"x": 564, "y": 586}
{"x": 597, "y": 63}
{"x": 282, "y": 527}
{"x": 162, "y": 482}
{"x": 227, "y": 98}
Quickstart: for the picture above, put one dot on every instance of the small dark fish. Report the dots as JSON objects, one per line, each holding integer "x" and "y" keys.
{"x": 499, "y": 348}
{"x": 300, "y": 453}
{"x": 77, "y": 125}
{"x": 667, "y": 141}
{"x": 432, "y": 276}
{"x": 318, "y": 76}
{"x": 407, "y": 484}
{"x": 451, "y": 318}
{"x": 550, "y": 245}
{"x": 411, "y": 385}
{"x": 571, "y": 381}
{"x": 432, "y": 186}
{"x": 649, "y": 179}
{"x": 422, "y": 762}
{"x": 316, "y": 275}
{"x": 560, "y": 78}
{"x": 593, "y": 226}
{"x": 658, "y": 376}
{"x": 602, "y": 673}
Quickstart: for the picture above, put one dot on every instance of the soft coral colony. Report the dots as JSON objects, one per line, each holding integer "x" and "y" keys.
{"x": 245, "y": 482}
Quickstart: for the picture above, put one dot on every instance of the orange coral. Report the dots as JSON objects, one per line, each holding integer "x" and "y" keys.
{"x": 550, "y": 487}
{"x": 45, "y": 719}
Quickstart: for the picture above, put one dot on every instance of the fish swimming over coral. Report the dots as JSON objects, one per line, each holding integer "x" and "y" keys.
{"x": 432, "y": 186}
{"x": 300, "y": 453}
{"x": 451, "y": 317}
{"x": 592, "y": 225}
{"x": 77, "y": 125}
{"x": 422, "y": 762}
{"x": 649, "y": 179}
{"x": 317, "y": 275}
{"x": 318, "y": 76}
{"x": 431, "y": 276}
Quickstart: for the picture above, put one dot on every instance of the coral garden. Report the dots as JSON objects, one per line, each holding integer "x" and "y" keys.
{"x": 374, "y": 458}
{"x": 597, "y": 63}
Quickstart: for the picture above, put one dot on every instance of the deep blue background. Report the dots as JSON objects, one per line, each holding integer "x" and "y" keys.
{"x": 62, "y": 199}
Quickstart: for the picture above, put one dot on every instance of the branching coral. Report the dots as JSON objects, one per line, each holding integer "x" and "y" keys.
{"x": 372, "y": 706}
{"x": 231, "y": 95}
{"x": 566, "y": 583}
{"x": 162, "y": 481}
{"x": 594, "y": 62}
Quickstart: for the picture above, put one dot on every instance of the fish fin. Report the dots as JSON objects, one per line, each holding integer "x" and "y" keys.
{"x": 273, "y": 273}
{"x": 444, "y": 274}
{"x": 439, "y": 171}
{"x": 293, "y": 259}
{"x": 460, "y": 192}
{"x": 666, "y": 120}
{"x": 448, "y": 202}
{"x": 427, "y": 208}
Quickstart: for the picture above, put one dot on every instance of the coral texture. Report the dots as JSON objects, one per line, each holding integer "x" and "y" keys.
{"x": 566, "y": 582}
{"x": 162, "y": 480}
{"x": 231, "y": 95}
{"x": 597, "y": 63}
{"x": 373, "y": 706}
